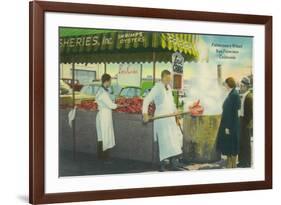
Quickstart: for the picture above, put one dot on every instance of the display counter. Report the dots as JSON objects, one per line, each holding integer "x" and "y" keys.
{"x": 133, "y": 138}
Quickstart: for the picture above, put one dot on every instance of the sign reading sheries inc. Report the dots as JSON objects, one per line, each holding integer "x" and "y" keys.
{"x": 106, "y": 40}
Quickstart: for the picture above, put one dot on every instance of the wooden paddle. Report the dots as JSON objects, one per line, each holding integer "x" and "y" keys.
{"x": 168, "y": 115}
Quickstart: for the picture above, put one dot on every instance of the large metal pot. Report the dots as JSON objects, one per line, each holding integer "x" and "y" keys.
{"x": 199, "y": 138}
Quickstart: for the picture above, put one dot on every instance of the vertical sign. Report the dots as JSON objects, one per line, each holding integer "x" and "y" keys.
{"x": 177, "y": 65}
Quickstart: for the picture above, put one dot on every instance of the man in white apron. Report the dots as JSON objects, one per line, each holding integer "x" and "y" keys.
{"x": 166, "y": 130}
{"x": 104, "y": 123}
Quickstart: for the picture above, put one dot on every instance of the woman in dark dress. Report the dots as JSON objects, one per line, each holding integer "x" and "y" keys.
{"x": 229, "y": 130}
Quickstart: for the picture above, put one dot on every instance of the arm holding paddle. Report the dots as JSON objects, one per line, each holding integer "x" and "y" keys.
{"x": 194, "y": 110}
{"x": 147, "y": 100}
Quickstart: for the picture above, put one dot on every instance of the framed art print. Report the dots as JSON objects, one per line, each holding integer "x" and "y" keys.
{"x": 138, "y": 102}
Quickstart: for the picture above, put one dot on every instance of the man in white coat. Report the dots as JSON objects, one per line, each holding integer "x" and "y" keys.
{"x": 104, "y": 123}
{"x": 166, "y": 130}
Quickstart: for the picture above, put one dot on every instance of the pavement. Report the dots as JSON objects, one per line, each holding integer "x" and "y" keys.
{"x": 88, "y": 164}
{"x": 204, "y": 166}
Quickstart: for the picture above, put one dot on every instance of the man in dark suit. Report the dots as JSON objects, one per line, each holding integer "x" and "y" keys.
{"x": 246, "y": 123}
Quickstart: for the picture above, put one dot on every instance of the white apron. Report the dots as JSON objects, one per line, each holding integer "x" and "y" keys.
{"x": 166, "y": 130}
{"x": 104, "y": 123}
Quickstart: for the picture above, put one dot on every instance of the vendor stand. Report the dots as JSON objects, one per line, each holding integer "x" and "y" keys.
{"x": 134, "y": 140}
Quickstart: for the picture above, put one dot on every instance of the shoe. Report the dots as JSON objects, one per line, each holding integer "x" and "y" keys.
{"x": 175, "y": 165}
{"x": 162, "y": 167}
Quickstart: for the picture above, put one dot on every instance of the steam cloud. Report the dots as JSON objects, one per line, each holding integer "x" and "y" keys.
{"x": 205, "y": 87}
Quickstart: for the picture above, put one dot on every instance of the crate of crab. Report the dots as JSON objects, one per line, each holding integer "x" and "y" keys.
{"x": 133, "y": 105}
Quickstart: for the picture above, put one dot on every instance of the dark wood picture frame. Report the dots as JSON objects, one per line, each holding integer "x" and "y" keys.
{"x": 37, "y": 193}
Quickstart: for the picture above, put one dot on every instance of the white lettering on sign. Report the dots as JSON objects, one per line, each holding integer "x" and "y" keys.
{"x": 177, "y": 62}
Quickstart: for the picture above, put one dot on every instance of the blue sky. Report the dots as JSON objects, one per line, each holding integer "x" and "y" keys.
{"x": 243, "y": 58}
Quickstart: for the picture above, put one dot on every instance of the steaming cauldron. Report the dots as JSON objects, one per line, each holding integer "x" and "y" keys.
{"x": 199, "y": 138}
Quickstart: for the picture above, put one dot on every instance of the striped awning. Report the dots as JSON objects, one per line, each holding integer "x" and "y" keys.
{"x": 111, "y": 46}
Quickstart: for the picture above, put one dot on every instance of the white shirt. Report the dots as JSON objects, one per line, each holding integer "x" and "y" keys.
{"x": 241, "y": 111}
{"x": 158, "y": 95}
